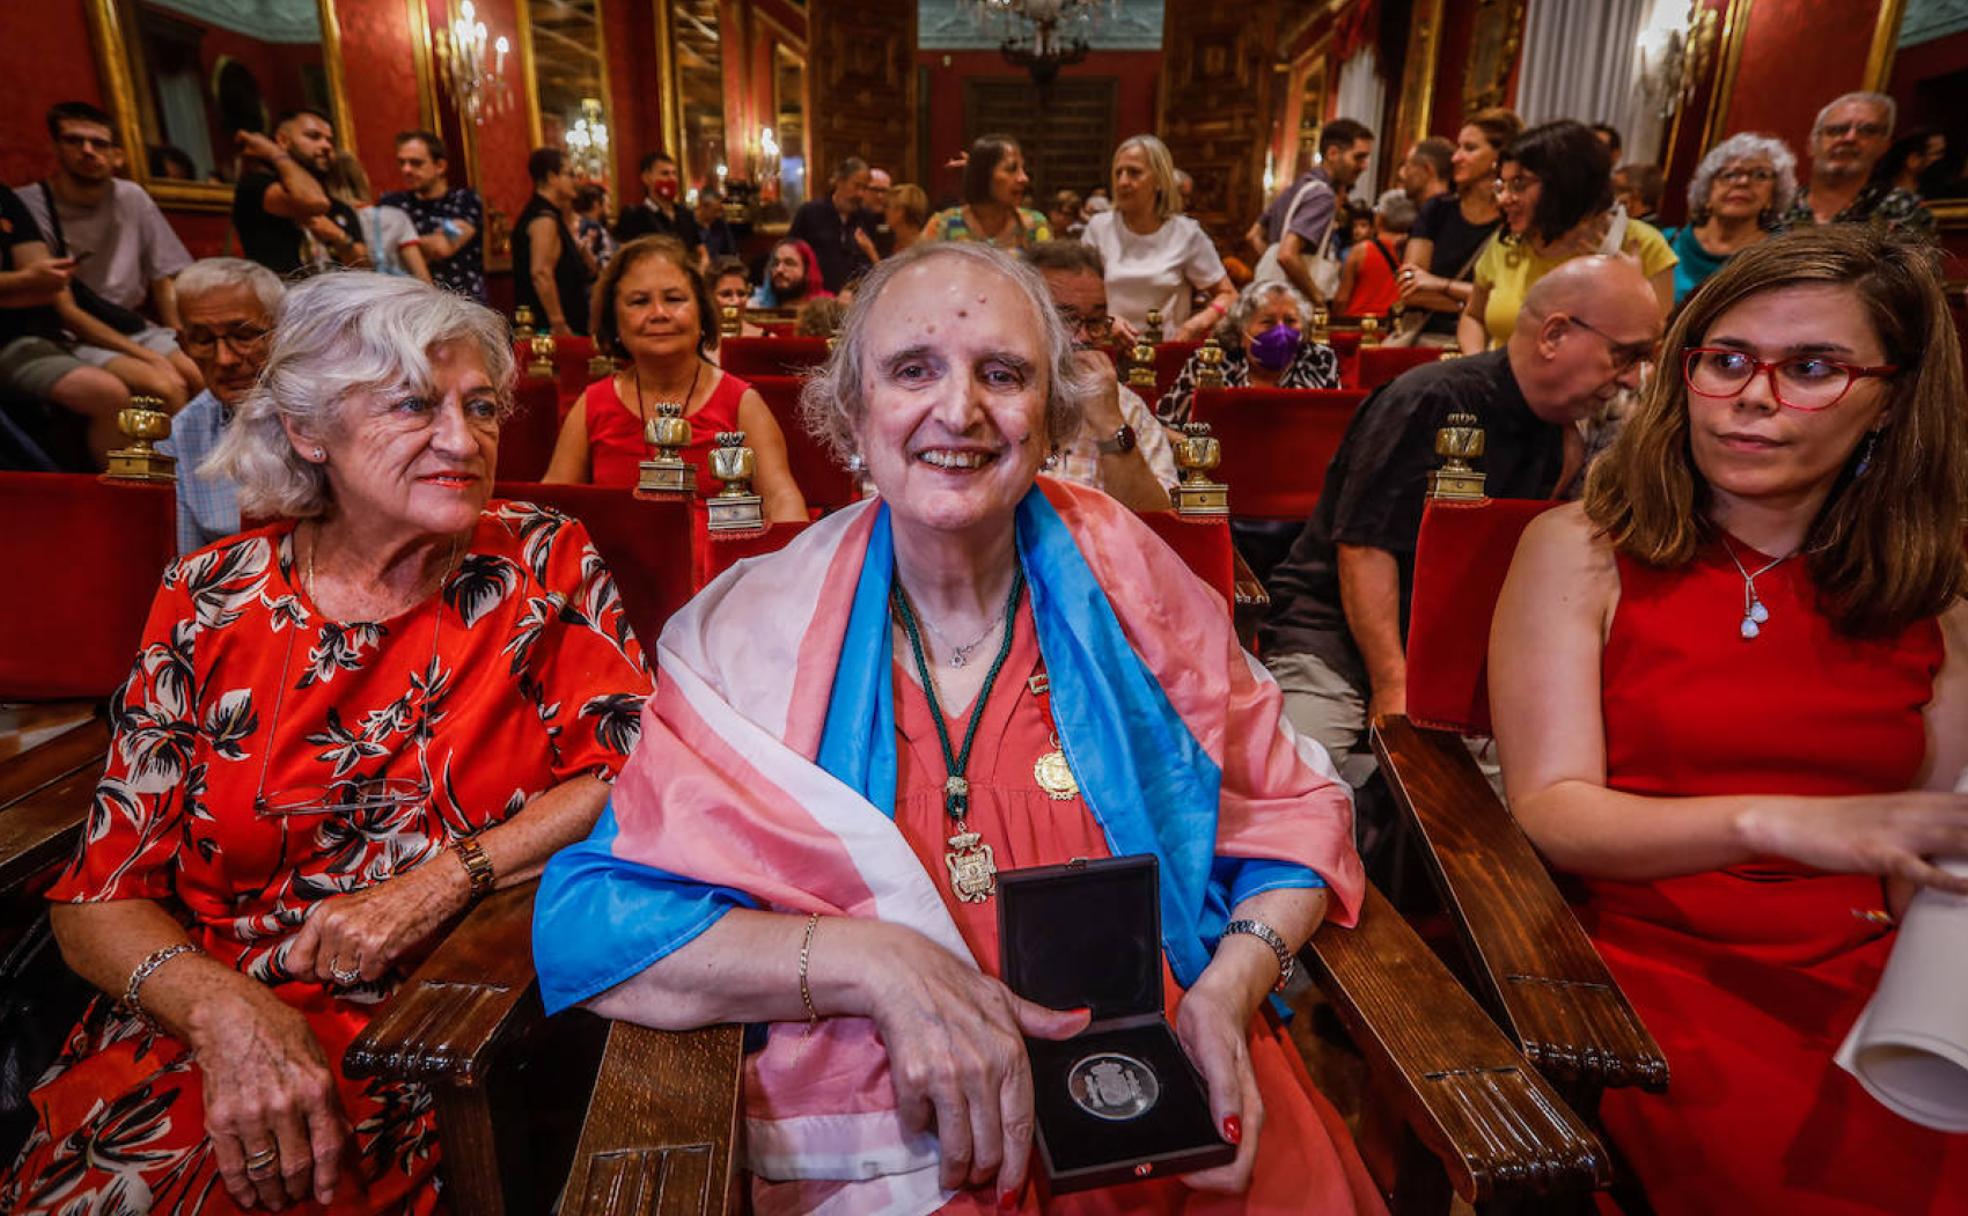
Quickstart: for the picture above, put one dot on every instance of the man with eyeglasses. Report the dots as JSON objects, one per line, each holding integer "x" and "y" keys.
{"x": 1849, "y": 137}
{"x": 125, "y": 254}
{"x": 1336, "y": 637}
{"x": 1121, "y": 448}
{"x": 227, "y": 310}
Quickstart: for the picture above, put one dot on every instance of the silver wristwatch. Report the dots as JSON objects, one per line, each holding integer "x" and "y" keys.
{"x": 1269, "y": 936}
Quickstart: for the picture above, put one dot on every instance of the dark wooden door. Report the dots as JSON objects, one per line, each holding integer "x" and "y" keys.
{"x": 861, "y": 65}
{"x": 1217, "y": 86}
{"x": 1066, "y": 129}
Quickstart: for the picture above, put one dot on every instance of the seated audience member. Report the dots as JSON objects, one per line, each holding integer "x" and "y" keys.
{"x": 1064, "y": 215}
{"x": 448, "y": 218}
{"x": 1336, "y": 637}
{"x": 655, "y": 313}
{"x": 908, "y": 212}
{"x": 1298, "y": 217}
{"x": 280, "y": 207}
{"x": 37, "y": 362}
{"x": 229, "y": 307}
{"x": 1847, "y": 141}
{"x": 125, "y": 251}
{"x": 1451, "y": 229}
{"x": 1155, "y": 255}
{"x": 661, "y": 213}
{"x": 836, "y": 228}
{"x": 1737, "y": 198}
{"x": 1120, "y": 447}
{"x": 1429, "y": 170}
{"x": 282, "y": 842}
{"x": 719, "y": 240}
{"x": 1731, "y": 698}
{"x": 821, "y": 318}
{"x": 389, "y": 233}
{"x": 994, "y": 185}
{"x": 792, "y": 277}
{"x": 1554, "y": 187}
{"x": 590, "y": 223}
{"x": 961, "y": 575}
{"x": 731, "y": 287}
{"x": 1264, "y": 346}
{"x": 1905, "y": 165}
{"x": 1637, "y": 188}
{"x": 1368, "y": 285}
{"x": 552, "y": 273}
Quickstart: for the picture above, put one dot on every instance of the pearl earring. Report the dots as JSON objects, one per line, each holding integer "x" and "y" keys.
{"x": 320, "y": 455}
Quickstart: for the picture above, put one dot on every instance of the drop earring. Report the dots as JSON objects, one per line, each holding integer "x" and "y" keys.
{"x": 1867, "y": 447}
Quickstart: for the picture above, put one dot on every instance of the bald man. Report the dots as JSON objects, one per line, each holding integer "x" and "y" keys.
{"x": 1336, "y": 637}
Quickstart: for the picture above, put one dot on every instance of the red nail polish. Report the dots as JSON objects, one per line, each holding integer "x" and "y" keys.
{"x": 1233, "y": 1129}
{"x": 1008, "y": 1200}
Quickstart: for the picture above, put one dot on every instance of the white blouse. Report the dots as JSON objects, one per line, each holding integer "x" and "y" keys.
{"x": 1158, "y": 270}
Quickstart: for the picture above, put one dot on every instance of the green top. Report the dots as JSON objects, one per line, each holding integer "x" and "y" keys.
{"x": 951, "y": 226}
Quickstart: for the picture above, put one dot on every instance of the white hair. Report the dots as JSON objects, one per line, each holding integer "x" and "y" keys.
{"x": 219, "y": 274}
{"x": 343, "y": 333}
{"x": 1878, "y": 101}
{"x": 1745, "y": 145}
{"x": 1230, "y": 330}
{"x": 834, "y": 403}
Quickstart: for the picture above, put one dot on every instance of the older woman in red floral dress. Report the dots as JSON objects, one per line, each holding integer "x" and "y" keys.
{"x": 342, "y": 728}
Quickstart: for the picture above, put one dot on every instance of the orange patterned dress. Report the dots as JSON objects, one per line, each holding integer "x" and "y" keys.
{"x": 251, "y": 743}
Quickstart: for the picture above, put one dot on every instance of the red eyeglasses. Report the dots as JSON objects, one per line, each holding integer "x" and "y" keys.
{"x": 1801, "y": 382}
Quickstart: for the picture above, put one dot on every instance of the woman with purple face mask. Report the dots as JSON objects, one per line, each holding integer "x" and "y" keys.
{"x": 1264, "y": 346}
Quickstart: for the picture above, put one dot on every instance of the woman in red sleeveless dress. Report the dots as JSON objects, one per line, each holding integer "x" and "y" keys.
{"x": 1731, "y": 696}
{"x": 650, "y": 307}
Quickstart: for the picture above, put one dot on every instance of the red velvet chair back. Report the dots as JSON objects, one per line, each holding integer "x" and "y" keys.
{"x": 86, "y": 556}
{"x": 1202, "y": 543}
{"x": 723, "y": 552}
{"x": 824, "y": 482}
{"x": 750, "y": 358}
{"x": 646, "y": 543}
{"x": 571, "y": 375}
{"x": 1460, "y": 562}
{"x": 1277, "y": 443}
{"x": 1169, "y": 360}
{"x": 1381, "y": 364}
{"x": 526, "y": 439}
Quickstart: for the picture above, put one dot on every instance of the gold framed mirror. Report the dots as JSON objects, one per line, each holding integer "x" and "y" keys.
{"x": 791, "y": 143}
{"x": 183, "y": 75}
{"x": 694, "y": 51}
{"x": 564, "y": 60}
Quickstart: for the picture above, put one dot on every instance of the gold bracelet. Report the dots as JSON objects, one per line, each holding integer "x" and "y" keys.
{"x": 806, "y": 957}
{"x": 478, "y": 867}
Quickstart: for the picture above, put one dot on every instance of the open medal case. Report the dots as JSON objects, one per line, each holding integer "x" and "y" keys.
{"x": 1119, "y": 1101}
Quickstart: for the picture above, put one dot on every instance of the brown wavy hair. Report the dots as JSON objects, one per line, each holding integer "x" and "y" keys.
{"x": 608, "y": 329}
{"x": 1886, "y": 548}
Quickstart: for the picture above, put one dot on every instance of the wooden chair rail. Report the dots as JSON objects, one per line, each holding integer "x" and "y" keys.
{"x": 1543, "y": 979}
{"x": 45, "y": 796}
{"x": 1497, "y": 1127}
{"x": 80, "y": 747}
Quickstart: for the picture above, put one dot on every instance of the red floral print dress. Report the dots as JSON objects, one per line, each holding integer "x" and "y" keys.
{"x": 251, "y": 743}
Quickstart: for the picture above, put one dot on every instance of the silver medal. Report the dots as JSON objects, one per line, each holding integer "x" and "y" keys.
{"x": 1111, "y": 1086}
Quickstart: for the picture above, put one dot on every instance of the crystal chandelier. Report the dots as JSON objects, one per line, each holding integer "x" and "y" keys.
{"x": 474, "y": 71}
{"x": 587, "y": 141}
{"x": 1041, "y": 36}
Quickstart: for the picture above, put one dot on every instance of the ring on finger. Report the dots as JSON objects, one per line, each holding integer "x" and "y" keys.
{"x": 262, "y": 1163}
{"x": 345, "y": 975}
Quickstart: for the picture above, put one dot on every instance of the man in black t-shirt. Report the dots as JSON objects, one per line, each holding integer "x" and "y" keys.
{"x": 450, "y": 220}
{"x": 660, "y": 214}
{"x": 37, "y": 367}
{"x": 1336, "y": 637}
{"x": 284, "y": 217}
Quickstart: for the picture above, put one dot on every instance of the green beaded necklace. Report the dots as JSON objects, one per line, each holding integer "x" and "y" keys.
{"x": 973, "y": 870}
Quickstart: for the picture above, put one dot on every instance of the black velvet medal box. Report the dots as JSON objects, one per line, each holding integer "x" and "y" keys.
{"x": 1088, "y": 934}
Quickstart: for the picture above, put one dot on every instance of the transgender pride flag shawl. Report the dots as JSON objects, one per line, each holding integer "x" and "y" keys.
{"x": 766, "y": 773}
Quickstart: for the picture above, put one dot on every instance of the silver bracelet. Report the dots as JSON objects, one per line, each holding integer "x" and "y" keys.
{"x": 1269, "y": 936}
{"x": 146, "y": 969}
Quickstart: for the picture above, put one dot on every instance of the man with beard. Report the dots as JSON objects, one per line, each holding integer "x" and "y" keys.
{"x": 227, "y": 310}
{"x": 792, "y": 277}
{"x": 449, "y": 218}
{"x": 1849, "y": 137}
{"x": 836, "y": 227}
{"x": 285, "y": 219}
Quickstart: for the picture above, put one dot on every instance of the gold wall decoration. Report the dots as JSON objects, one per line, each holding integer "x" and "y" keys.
{"x": 1494, "y": 40}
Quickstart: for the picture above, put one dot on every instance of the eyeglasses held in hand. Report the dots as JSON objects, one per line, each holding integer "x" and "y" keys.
{"x": 359, "y": 796}
{"x": 1801, "y": 382}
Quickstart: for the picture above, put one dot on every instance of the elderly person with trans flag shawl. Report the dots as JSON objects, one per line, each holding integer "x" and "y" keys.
{"x": 978, "y": 671}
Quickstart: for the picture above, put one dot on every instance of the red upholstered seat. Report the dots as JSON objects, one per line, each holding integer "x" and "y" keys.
{"x": 1204, "y": 544}
{"x": 526, "y": 439}
{"x": 819, "y": 476}
{"x": 571, "y": 374}
{"x": 1169, "y": 360}
{"x": 750, "y": 358}
{"x": 1381, "y": 364}
{"x": 86, "y": 555}
{"x": 1276, "y": 444}
{"x": 646, "y": 543}
{"x": 1460, "y": 563}
{"x": 779, "y": 329}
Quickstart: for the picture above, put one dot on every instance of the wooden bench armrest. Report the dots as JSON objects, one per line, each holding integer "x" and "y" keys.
{"x": 474, "y": 992}
{"x": 1469, "y": 1097}
{"x": 662, "y": 1127}
{"x": 1253, "y": 602}
{"x": 1542, "y": 976}
{"x": 82, "y": 746}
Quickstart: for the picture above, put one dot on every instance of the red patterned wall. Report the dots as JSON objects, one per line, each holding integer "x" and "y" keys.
{"x": 379, "y": 70}
{"x": 43, "y": 61}
{"x": 1797, "y": 55}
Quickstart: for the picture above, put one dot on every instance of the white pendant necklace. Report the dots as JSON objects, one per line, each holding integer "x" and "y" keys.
{"x": 1755, "y": 615}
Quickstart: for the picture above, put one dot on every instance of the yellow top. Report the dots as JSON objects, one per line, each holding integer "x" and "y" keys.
{"x": 1509, "y": 269}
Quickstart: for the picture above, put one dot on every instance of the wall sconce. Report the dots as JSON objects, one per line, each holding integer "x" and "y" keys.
{"x": 474, "y": 71}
